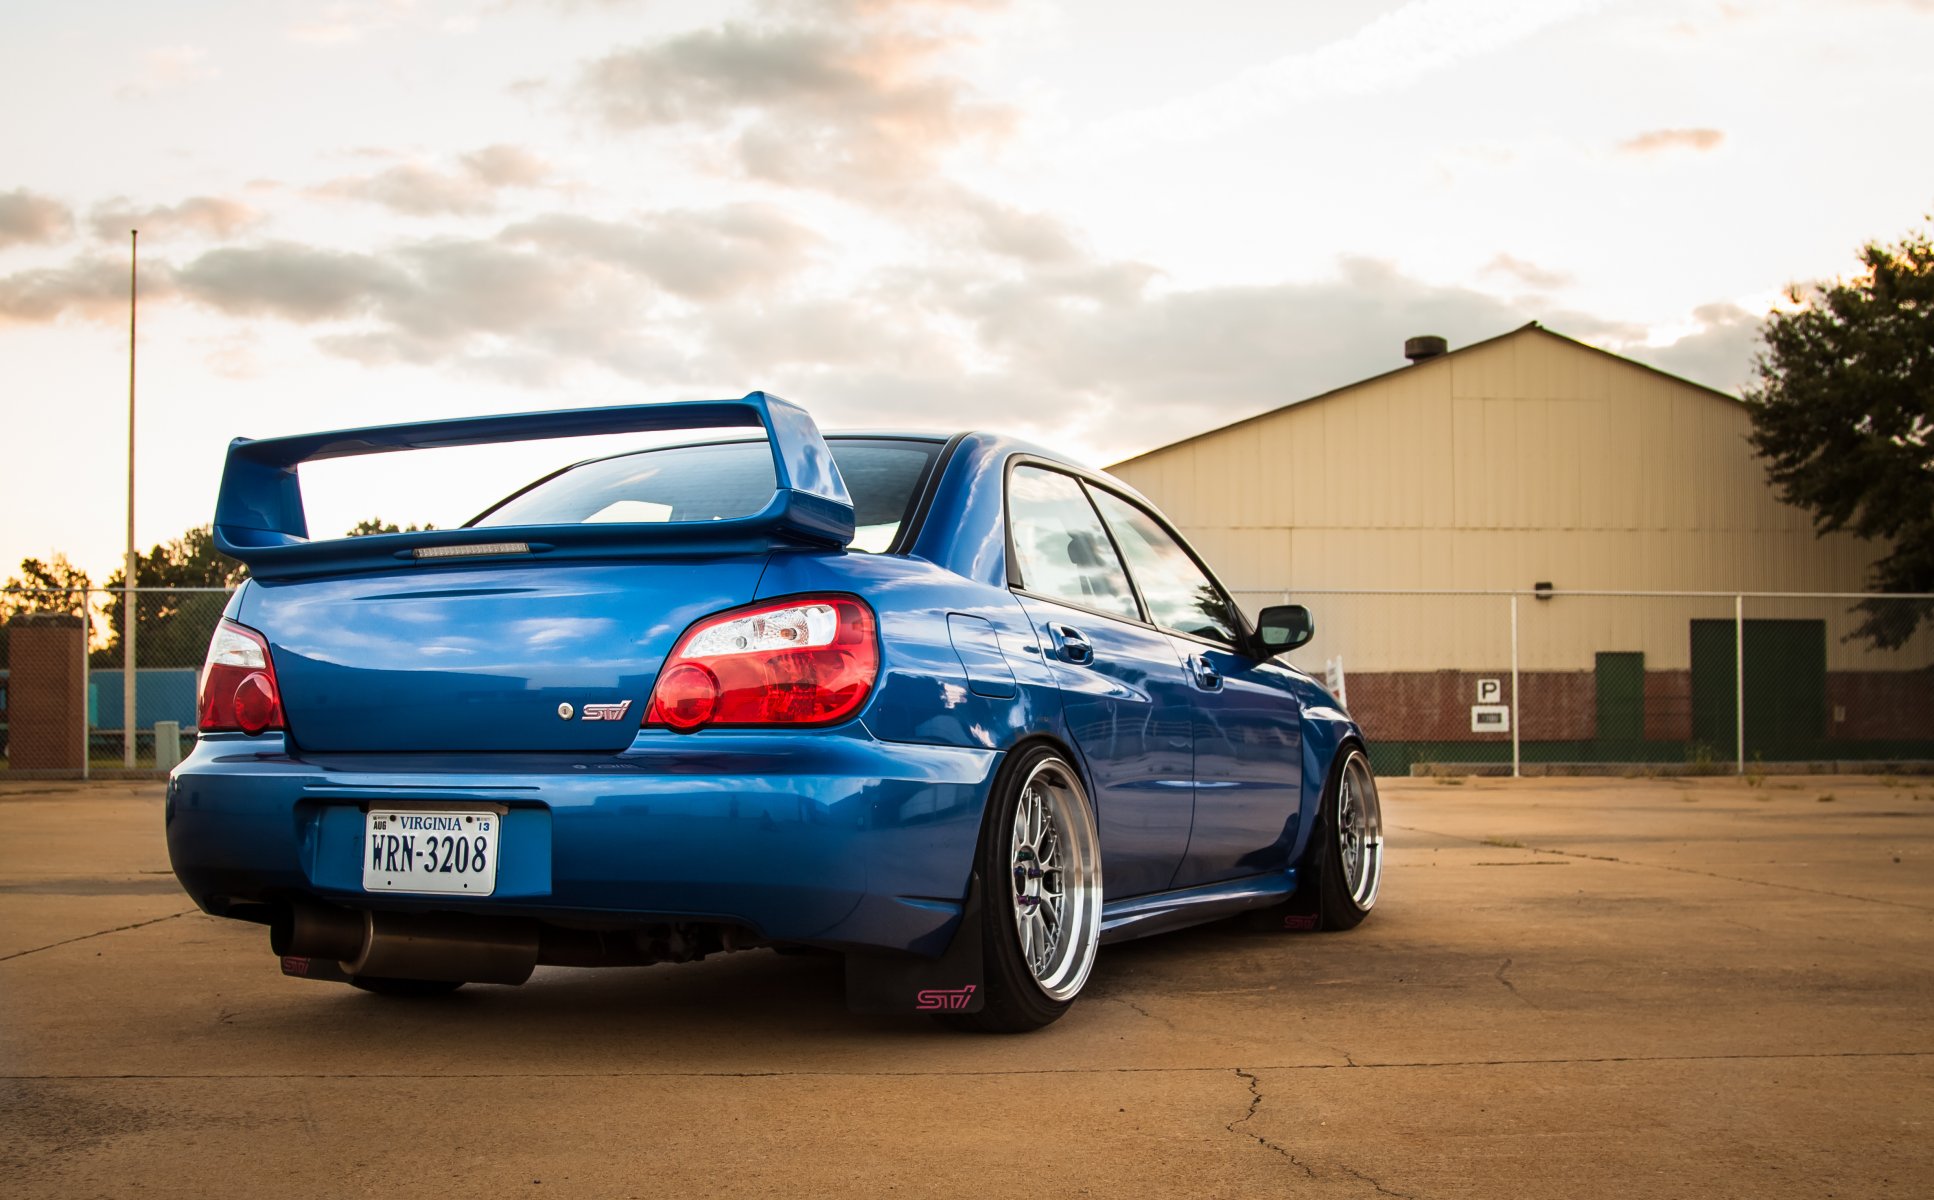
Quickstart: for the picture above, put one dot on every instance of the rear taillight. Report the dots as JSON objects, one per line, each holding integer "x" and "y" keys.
{"x": 803, "y": 661}
{"x": 238, "y": 682}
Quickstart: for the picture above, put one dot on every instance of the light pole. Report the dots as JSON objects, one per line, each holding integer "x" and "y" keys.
{"x": 129, "y": 618}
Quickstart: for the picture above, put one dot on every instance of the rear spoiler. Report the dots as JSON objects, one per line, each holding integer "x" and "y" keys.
{"x": 259, "y": 517}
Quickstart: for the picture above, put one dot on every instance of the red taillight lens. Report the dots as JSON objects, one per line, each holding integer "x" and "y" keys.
{"x": 238, "y": 682}
{"x": 804, "y": 661}
{"x": 686, "y": 696}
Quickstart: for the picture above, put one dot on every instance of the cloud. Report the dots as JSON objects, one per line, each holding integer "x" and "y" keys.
{"x": 415, "y": 190}
{"x": 1161, "y": 363}
{"x": 28, "y": 218}
{"x": 418, "y": 190}
{"x": 1390, "y": 52}
{"x": 290, "y": 281}
{"x": 844, "y": 95}
{"x": 342, "y": 23}
{"x": 507, "y": 166}
{"x": 1095, "y": 352}
{"x": 166, "y": 69}
{"x": 197, "y": 216}
{"x": 698, "y": 255}
{"x": 1657, "y": 141}
{"x": 1017, "y": 326}
{"x": 89, "y": 287}
{"x": 1529, "y": 274}
{"x": 996, "y": 228}
{"x": 1719, "y": 354}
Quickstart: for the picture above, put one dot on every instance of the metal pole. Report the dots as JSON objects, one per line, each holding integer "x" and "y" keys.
{"x": 129, "y": 618}
{"x": 1739, "y": 682}
{"x": 1516, "y": 764}
{"x": 87, "y": 727}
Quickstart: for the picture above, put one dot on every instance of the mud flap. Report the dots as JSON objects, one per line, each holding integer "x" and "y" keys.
{"x": 906, "y": 983}
{"x": 1299, "y": 912}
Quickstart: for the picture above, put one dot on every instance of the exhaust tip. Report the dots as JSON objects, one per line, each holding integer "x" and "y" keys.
{"x": 313, "y": 931}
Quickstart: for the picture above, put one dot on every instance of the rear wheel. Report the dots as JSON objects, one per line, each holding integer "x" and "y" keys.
{"x": 1342, "y": 867}
{"x": 1041, "y": 856}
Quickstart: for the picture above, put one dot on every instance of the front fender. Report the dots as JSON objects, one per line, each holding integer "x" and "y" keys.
{"x": 1326, "y": 730}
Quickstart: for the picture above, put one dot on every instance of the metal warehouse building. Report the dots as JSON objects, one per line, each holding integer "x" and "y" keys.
{"x": 1536, "y": 464}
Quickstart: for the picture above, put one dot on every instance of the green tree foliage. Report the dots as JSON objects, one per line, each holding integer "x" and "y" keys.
{"x": 1843, "y": 414}
{"x": 371, "y": 525}
{"x": 175, "y": 623}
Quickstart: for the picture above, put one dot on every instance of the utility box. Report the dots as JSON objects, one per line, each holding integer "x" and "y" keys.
{"x": 46, "y": 693}
{"x": 167, "y": 745}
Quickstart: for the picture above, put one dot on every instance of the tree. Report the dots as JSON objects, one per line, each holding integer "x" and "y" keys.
{"x": 55, "y": 586}
{"x": 1843, "y": 414}
{"x": 175, "y": 623}
{"x": 371, "y": 525}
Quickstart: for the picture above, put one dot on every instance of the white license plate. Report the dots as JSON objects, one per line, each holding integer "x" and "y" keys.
{"x": 441, "y": 852}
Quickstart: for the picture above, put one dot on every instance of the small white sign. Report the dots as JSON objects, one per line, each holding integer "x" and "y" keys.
{"x": 1490, "y": 691}
{"x": 1490, "y": 718}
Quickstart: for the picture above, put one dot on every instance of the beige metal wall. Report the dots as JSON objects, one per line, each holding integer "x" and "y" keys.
{"x": 1524, "y": 459}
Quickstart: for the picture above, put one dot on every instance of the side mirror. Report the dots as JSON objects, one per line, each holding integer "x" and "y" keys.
{"x": 1283, "y": 627}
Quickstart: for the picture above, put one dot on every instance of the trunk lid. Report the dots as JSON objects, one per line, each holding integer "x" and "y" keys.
{"x": 480, "y": 658}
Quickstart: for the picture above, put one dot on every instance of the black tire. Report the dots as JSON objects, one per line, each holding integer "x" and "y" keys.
{"x": 1329, "y": 895}
{"x": 1015, "y": 998}
{"x": 406, "y": 988}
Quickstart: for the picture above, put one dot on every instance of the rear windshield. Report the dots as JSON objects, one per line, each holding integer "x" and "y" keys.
{"x": 718, "y": 482}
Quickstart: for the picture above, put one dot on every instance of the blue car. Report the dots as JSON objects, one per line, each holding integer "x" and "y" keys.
{"x": 956, "y": 709}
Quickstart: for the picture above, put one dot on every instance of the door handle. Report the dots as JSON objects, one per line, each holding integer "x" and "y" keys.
{"x": 1072, "y": 644}
{"x": 1206, "y": 676}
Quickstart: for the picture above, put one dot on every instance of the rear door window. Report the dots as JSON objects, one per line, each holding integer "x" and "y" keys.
{"x": 1060, "y": 547}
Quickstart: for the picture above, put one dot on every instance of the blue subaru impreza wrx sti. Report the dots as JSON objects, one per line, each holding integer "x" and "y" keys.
{"x": 955, "y": 708}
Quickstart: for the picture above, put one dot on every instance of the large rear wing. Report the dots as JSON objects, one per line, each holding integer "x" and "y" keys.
{"x": 259, "y": 517}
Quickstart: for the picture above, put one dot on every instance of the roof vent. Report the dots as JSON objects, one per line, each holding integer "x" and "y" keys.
{"x": 1421, "y": 349}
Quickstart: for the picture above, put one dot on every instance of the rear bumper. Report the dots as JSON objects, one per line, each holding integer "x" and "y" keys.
{"x": 831, "y": 837}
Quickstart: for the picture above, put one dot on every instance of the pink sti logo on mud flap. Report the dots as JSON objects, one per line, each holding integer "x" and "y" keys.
{"x": 942, "y": 999}
{"x": 1300, "y": 921}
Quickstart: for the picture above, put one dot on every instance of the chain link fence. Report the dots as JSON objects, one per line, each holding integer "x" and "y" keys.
{"x": 1543, "y": 682}
{"x": 64, "y": 687}
{"x": 1532, "y": 682}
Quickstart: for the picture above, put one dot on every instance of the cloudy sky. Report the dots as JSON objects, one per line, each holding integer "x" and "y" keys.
{"x": 1100, "y": 223}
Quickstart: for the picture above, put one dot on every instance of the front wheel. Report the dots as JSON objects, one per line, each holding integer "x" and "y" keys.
{"x": 1041, "y": 856}
{"x": 1342, "y": 867}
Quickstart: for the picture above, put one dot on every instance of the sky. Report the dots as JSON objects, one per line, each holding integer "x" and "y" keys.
{"x": 1099, "y": 224}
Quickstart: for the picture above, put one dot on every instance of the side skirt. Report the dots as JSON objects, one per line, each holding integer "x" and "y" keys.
{"x": 1139, "y": 916}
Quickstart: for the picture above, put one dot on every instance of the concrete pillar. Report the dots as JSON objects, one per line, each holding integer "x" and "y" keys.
{"x": 46, "y": 693}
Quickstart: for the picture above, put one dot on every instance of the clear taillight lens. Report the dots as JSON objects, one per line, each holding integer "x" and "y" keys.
{"x": 803, "y": 661}
{"x": 238, "y": 689}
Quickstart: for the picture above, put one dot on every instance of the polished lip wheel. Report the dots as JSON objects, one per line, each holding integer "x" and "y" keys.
{"x": 1056, "y": 880}
{"x": 1359, "y": 826}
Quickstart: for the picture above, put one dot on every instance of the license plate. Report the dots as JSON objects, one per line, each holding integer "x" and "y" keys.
{"x": 441, "y": 852}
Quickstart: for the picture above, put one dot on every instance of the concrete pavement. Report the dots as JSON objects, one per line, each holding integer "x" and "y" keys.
{"x": 1660, "y": 987}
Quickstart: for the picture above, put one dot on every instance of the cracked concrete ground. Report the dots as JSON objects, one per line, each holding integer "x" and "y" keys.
{"x": 1707, "y": 989}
